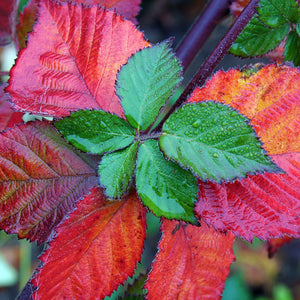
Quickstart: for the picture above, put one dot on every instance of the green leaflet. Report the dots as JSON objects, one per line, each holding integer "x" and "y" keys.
{"x": 213, "y": 141}
{"x": 275, "y": 13}
{"x": 116, "y": 170}
{"x": 257, "y": 39}
{"x": 164, "y": 187}
{"x": 146, "y": 82}
{"x": 267, "y": 29}
{"x": 292, "y": 48}
{"x": 96, "y": 131}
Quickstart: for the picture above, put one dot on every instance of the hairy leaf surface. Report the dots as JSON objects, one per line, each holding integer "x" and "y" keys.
{"x": 146, "y": 82}
{"x": 75, "y": 67}
{"x": 8, "y": 117}
{"x": 266, "y": 205}
{"x": 116, "y": 170}
{"x": 41, "y": 179}
{"x": 95, "y": 249}
{"x": 164, "y": 187}
{"x": 96, "y": 131}
{"x": 214, "y": 141}
{"x": 192, "y": 262}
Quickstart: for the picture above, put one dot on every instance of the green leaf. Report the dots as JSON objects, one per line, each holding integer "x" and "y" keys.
{"x": 116, "y": 170}
{"x": 146, "y": 82}
{"x": 292, "y": 48}
{"x": 214, "y": 141}
{"x": 96, "y": 131}
{"x": 298, "y": 28}
{"x": 275, "y": 13}
{"x": 258, "y": 39}
{"x": 166, "y": 188}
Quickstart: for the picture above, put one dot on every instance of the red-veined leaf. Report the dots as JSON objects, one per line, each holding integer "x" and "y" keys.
{"x": 265, "y": 205}
{"x": 127, "y": 8}
{"x": 71, "y": 60}
{"x": 95, "y": 249}
{"x": 8, "y": 117}
{"x": 41, "y": 179}
{"x": 8, "y": 11}
{"x": 192, "y": 263}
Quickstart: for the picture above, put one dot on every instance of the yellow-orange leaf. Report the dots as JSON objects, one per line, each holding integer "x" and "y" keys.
{"x": 266, "y": 205}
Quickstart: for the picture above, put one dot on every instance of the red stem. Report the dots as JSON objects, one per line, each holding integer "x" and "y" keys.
{"x": 201, "y": 30}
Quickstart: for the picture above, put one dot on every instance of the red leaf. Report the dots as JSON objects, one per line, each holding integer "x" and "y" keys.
{"x": 8, "y": 117}
{"x": 192, "y": 263}
{"x": 8, "y": 11}
{"x": 275, "y": 244}
{"x": 26, "y": 21}
{"x": 72, "y": 59}
{"x": 127, "y": 8}
{"x": 265, "y": 205}
{"x": 95, "y": 249}
{"x": 41, "y": 178}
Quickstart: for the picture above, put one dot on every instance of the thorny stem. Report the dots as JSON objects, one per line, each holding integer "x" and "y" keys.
{"x": 201, "y": 30}
{"x": 215, "y": 57}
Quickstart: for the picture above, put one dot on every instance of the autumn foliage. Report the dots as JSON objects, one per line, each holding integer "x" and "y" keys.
{"x": 50, "y": 193}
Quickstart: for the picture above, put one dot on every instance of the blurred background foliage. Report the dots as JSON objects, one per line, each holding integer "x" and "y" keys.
{"x": 253, "y": 275}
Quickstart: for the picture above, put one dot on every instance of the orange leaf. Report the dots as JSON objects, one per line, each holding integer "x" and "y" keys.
{"x": 41, "y": 179}
{"x": 192, "y": 263}
{"x": 265, "y": 205}
{"x": 95, "y": 249}
{"x": 75, "y": 66}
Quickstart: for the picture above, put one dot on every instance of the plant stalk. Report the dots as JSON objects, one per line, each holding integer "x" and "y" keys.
{"x": 201, "y": 30}
{"x": 215, "y": 57}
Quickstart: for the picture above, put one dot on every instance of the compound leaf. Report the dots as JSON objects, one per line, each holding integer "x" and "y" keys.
{"x": 164, "y": 187}
{"x": 146, "y": 82}
{"x": 116, "y": 170}
{"x": 265, "y": 205}
{"x": 214, "y": 141}
{"x": 72, "y": 59}
{"x": 41, "y": 179}
{"x": 96, "y": 131}
{"x": 94, "y": 251}
{"x": 268, "y": 28}
{"x": 192, "y": 262}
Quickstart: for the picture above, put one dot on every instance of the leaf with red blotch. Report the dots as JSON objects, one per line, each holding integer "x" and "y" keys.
{"x": 8, "y": 117}
{"x": 8, "y": 12}
{"x": 275, "y": 244}
{"x": 192, "y": 262}
{"x": 41, "y": 179}
{"x": 72, "y": 59}
{"x": 127, "y": 8}
{"x": 266, "y": 205}
{"x": 95, "y": 249}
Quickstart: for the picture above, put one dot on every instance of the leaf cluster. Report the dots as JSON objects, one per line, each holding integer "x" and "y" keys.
{"x": 274, "y": 22}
